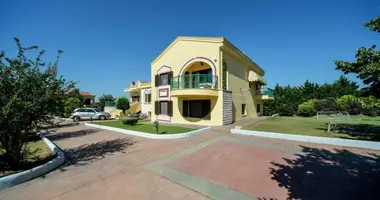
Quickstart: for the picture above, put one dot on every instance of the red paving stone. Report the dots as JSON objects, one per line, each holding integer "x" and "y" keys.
{"x": 102, "y": 167}
{"x": 240, "y": 167}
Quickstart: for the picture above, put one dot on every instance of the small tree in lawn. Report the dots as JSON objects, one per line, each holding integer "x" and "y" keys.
{"x": 122, "y": 103}
{"x": 31, "y": 95}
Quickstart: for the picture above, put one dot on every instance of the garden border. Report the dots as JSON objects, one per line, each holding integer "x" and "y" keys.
{"x": 149, "y": 135}
{"x": 21, "y": 177}
{"x": 311, "y": 139}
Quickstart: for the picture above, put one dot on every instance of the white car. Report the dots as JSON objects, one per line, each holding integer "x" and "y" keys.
{"x": 89, "y": 113}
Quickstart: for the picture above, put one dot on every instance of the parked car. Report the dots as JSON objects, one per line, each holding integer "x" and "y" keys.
{"x": 89, "y": 113}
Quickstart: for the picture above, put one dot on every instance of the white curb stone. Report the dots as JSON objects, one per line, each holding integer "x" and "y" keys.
{"x": 312, "y": 139}
{"x": 15, "y": 179}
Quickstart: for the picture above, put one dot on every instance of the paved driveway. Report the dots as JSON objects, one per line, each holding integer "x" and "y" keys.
{"x": 108, "y": 165}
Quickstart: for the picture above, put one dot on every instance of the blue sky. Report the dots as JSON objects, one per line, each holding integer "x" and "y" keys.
{"x": 107, "y": 44}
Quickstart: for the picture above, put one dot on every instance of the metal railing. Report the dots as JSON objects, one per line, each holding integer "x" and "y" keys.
{"x": 265, "y": 91}
{"x": 198, "y": 81}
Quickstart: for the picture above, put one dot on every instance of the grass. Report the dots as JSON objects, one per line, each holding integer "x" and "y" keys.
{"x": 361, "y": 128}
{"x": 40, "y": 153}
{"x": 142, "y": 126}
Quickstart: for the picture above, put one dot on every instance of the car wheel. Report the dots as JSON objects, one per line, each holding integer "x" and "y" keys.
{"x": 101, "y": 117}
{"x": 76, "y": 118}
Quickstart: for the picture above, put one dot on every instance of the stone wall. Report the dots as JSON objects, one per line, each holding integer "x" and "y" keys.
{"x": 227, "y": 107}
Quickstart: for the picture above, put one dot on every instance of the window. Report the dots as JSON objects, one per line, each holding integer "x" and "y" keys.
{"x": 147, "y": 98}
{"x": 258, "y": 108}
{"x": 163, "y": 107}
{"x": 243, "y": 110}
{"x": 197, "y": 109}
{"x": 164, "y": 79}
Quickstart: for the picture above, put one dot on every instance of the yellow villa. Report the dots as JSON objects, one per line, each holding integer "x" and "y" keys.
{"x": 206, "y": 81}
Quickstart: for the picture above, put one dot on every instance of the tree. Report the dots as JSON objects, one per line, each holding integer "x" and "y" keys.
{"x": 122, "y": 103}
{"x": 367, "y": 64}
{"x": 70, "y": 104}
{"x": 74, "y": 92}
{"x": 31, "y": 95}
{"x": 104, "y": 98}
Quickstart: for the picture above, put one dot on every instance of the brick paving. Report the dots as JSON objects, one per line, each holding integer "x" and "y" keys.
{"x": 109, "y": 165}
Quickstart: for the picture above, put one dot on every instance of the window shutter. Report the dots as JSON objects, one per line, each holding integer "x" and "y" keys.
{"x": 156, "y": 107}
{"x": 170, "y": 76}
{"x": 170, "y": 108}
{"x": 157, "y": 80}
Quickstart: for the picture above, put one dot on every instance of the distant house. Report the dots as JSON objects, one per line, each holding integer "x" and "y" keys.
{"x": 88, "y": 98}
{"x": 140, "y": 97}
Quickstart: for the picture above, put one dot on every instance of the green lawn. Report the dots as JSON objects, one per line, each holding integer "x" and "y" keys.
{"x": 354, "y": 129}
{"x": 146, "y": 127}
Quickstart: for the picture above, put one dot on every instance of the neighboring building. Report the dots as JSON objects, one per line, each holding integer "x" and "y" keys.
{"x": 88, "y": 98}
{"x": 140, "y": 97}
{"x": 205, "y": 81}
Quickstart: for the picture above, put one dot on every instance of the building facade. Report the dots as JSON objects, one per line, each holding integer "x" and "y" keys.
{"x": 140, "y": 97}
{"x": 206, "y": 81}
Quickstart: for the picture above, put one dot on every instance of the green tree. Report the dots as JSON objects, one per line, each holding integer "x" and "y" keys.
{"x": 70, "y": 104}
{"x": 307, "y": 109}
{"x": 104, "y": 98}
{"x": 74, "y": 92}
{"x": 122, "y": 103}
{"x": 367, "y": 64}
{"x": 31, "y": 95}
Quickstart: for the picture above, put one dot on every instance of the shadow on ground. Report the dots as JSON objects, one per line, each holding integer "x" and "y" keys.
{"x": 360, "y": 131}
{"x": 71, "y": 134}
{"x": 324, "y": 174}
{"x": 369, "y": 132}
{"x": 87, "y": 154}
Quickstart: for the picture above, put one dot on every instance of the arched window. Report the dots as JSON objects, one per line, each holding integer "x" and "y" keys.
{"x": 224, "y": 75}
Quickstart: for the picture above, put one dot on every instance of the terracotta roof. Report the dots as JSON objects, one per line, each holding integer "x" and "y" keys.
{"x": 86, "y": 94}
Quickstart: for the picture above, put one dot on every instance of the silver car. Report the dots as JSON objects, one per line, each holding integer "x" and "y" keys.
{"x": 89, "y": 113}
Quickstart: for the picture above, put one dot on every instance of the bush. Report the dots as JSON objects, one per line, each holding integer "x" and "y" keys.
{"x": 369, "y": 112}
{"x": 370, "y": 102}
{"x": 70, "y": 104}
{"x": 328, "y": 104}
{"x": 129, "y": 121}
{"x": 354, "y": 108}
{"x": 345, "y": 100}
{"x": 307, "y": 109}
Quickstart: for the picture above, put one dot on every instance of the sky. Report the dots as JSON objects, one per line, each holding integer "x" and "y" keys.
{"x": 109, "y": 44}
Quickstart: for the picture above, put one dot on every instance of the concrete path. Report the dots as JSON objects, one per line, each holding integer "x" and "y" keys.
{"x": 108, "y": 165}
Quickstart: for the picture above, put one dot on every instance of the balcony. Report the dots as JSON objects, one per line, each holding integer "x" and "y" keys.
{"x": 194, "y": 85}
{"x": 264, "y": 93}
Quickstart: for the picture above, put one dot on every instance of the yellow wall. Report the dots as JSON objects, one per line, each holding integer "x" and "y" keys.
{"x": 237, "y": 80}
{"x": 176, "y": 57}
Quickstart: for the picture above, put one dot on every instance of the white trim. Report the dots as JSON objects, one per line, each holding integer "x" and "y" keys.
{"x": 152, "y": 136}
{"x": 311, "y": 139}
{"x": 15, "y": 179}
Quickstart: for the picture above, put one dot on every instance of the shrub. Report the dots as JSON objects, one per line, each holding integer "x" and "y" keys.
{"x": 370, "y": 102}
{"x": 345, "y": 100}
{"x": 328, "y": 104}
{"x": 369, "y": 112}
{"x": 70, "y": 104}
{"x": 354, "y": 108}
{"x": 307, "y": 109}
{"x": 129, "y": 121}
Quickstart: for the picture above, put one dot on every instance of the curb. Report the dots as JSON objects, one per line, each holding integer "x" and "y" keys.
{"x": 312, "y": 139}
{"x": 21, "y": 177}
{"x": 152, "y": 136}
